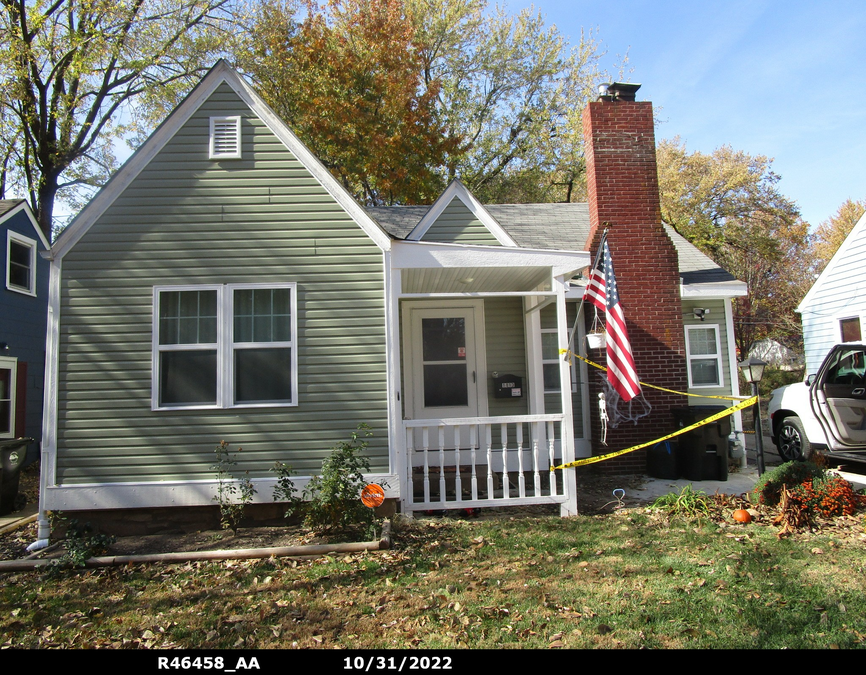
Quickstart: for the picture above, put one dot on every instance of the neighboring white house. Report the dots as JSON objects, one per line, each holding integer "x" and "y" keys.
{"x": 834, "y": 308}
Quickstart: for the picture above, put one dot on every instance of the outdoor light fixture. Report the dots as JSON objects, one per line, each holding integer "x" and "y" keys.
{"x": 700, "y": 313}
{"x": 753, "y": 371}
{"x": 4, "y": 346}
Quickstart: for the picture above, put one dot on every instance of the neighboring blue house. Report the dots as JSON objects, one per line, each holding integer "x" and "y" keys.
{"x": 834, "y": 309}
{"x": 23, "y": 319}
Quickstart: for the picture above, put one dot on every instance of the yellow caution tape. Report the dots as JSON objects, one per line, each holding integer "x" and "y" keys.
{"x": 708, "y": 420}
{"x": 652, "y": 386}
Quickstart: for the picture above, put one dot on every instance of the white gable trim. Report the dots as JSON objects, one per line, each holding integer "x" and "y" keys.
{"x": 23, "y": 206}
{"x": 840, "y": 255}
{"x": 458, "y": 190}
{"x": 220, "y": 73}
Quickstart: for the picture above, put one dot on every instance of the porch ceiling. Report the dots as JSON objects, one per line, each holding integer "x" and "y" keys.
{"x": 476, "y": 280}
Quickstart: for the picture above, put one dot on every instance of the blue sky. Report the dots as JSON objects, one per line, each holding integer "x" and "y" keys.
{"x": 781, "y": 78}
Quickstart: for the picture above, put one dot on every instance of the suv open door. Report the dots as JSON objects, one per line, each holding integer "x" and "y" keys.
{"x": 838, "y": 398}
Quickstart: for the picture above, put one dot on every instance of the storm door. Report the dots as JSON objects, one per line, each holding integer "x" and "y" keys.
{"x": 443, "y": 361}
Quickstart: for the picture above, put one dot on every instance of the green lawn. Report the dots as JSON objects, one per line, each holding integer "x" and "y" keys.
{"x": 626, "y": 580}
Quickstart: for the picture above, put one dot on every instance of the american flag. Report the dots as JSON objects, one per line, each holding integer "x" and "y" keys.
{"x": 601, "y": 291}
{"x": 594, "y": 292}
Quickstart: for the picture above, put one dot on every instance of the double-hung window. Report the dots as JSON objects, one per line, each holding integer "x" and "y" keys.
{"x": 225, "y": 346}
{"x": 704, "y": 356}
{"x": 20, "y": 263}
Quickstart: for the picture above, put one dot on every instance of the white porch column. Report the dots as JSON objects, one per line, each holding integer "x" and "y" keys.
{"x": 396, "y": 434}
{"x": 734, "y": 369}
{"x": 569, "y": 477}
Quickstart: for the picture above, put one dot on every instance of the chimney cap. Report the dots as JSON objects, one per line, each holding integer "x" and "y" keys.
{"x": 618, "y": 91}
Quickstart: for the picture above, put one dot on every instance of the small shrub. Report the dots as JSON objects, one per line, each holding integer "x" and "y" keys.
{"x": 285, "y": 490}
{"x": 768, "y": 489}
{"x": 82, "y": 543}
{"x": 688, "y": 504}
{"x": 335, "y": 496}
{"x": 827, "y": 495}
{"x": 233, "y": 494}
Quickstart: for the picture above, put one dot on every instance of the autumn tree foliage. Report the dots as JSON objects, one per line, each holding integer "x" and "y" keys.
{"x": 398, "y": 97}
{"x": 346, "y": 78}
{"x": 729, "y": 205}
{"x": 830, "y": 234}
{"x": 69, "y": 72}
{"x": 512, "y": 89}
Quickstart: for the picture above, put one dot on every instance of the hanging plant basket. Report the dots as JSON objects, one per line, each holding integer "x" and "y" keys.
{"x": 596, "y": 341}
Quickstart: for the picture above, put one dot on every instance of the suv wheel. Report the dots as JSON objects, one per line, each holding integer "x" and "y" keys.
{"x": 793, "y": 444}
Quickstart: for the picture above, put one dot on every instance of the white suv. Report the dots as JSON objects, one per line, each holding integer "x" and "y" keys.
{"x": 827, "y": 411}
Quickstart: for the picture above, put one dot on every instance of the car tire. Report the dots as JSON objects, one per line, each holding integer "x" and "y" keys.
{"x": 793, "y": 444}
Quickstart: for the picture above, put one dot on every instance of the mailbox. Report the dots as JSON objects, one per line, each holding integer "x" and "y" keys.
{"x": 508, "y": 386}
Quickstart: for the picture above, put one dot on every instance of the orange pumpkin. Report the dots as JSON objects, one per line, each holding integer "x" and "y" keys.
{"x": 742, "y": 516}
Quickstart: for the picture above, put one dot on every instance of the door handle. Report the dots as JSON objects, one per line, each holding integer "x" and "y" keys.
{"x": 859, "y": 391}
{"x": 473, "y": 377}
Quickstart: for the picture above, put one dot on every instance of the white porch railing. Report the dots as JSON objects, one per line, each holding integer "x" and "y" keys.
{"x": 471, "y": 462}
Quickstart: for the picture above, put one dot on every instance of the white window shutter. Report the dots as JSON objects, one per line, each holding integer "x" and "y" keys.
{"x": 225, "y": 137}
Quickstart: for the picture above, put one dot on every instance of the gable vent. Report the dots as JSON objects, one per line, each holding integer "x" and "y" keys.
{"x": 225, "y": 137}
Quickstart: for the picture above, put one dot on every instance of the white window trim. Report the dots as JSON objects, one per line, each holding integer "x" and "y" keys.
{"x": 214, "y": 153}
{"x": 224, "y": 346}
{"x": 11, "y": 364}
{"x": 31, "y": 244}
{"x": 717, "y": 356}
{"x": 545, "y": 362}
{"x": 844, "y": 317}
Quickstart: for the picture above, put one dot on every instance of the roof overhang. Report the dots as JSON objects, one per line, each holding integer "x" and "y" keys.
{"x": 711, "y": 291}
{"x": 450, "y": 268}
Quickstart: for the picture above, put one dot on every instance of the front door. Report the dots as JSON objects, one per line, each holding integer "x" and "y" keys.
{"x": 444, "y": 361}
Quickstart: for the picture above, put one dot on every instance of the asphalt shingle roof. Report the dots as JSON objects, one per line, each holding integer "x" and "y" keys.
{"x": 554, "y": 226}
{"x": 7, "y": 205}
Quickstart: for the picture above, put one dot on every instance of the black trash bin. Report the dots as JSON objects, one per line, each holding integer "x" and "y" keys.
{"x": 703, "y": 452}
{"x": 12, "y": 455}
{"x": 661, "y": 461}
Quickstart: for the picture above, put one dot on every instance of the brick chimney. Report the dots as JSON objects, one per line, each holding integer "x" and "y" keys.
{"x": 622, "y": 182}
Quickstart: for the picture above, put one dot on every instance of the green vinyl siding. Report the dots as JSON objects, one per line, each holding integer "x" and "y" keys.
{"x": 187, "y": 219}
{"x": 458, "y": 225}
{"x": 716, "y": 318}
{"x": 506, "y": 351}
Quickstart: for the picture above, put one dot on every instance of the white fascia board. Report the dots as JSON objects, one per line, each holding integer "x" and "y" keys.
{"x": 157, "y": 494}
{"x": 458, "y": 190}
{"x": 734, "y": 289}
{"x": 856, "y": 232}
{"x": 220, "y": 73}
{"x": 25, "y": 207}
{"x": 417, "y": 255}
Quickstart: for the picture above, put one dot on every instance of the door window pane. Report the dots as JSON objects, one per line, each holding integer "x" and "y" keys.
{"x": 445, "y": 385}
{"x": 443, "y": 339}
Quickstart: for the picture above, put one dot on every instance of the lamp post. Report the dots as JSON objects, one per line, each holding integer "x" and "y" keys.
{"x": 753, "y": 371}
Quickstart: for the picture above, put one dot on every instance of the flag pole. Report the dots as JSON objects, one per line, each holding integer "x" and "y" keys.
{"x": 583, "y": 298}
